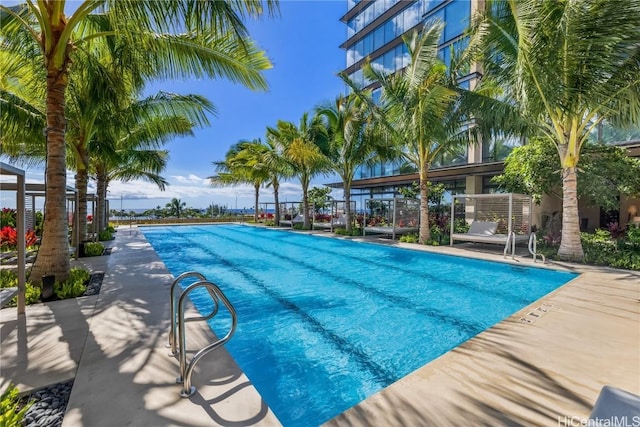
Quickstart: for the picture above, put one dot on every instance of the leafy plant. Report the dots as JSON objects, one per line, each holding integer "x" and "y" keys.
{"x": 74, "y": 286}
{"x": 460, "y": 226}
{"x": 93, "y": 249}
{"x": 105, "y": 234}
{"x": 7, "y": 217}
{"x": 9, "y": 279}
{"x": 12, "y": 409}
{"x": 633, "y": 237}
{"x": 9, "y": 238}
{"x": 409, "y": 238}
{"x": 344, "y": 232}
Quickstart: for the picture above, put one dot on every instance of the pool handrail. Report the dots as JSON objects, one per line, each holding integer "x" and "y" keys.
{"x": 174, "y": 309}
{"x": 186, "y": 370}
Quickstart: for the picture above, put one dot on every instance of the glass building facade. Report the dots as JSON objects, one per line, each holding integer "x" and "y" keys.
{"x": 374, "y": 32}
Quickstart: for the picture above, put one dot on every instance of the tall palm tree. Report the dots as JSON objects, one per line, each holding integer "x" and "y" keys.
{"x": 351, "y": 140}
{"x": 303, "y": 146}
{"x": 178, "y": 38}
{"x": 243, "y": 163}
{"x": 565, "y": 66}
{"x": 418, "y": 106}
{"x": 277, "y": 168}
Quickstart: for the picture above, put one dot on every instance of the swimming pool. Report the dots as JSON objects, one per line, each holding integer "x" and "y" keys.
{"x": 324, "y": 323}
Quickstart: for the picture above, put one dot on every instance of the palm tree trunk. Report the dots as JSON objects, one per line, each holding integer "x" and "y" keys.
{"x": 101, "y": 214}
{"x": 276, "y": 198}
{"x": 347, "y": 208}
{"x": 305, "y": 204}
{"x": 570, "y": 245}
{"x": 425, "y": 232}
{"x": 257, "y": 197}
{"x": 53, "y": 255}
{"x": 82, "y": 178}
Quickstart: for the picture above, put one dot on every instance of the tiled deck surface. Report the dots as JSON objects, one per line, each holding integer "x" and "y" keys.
{"x": 515, "y": 373}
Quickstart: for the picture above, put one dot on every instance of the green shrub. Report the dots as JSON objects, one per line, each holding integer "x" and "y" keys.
{"x": 12, "y": 409}
{"x": 105, "y": 235}
{"x": 111, "y": 228}
{"x": 74, "y": 286}
{"x": 93, "y": 249}
{"x": 343, "y": 232}
{"x": 409, "y": 238}
{"x": 460, "y": 226}
{"x": 633, "y": 237}
{"x": 9, "y": 279}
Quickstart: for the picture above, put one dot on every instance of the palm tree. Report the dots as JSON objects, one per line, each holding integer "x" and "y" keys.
{"x": 175, "y": 207}
{"x": 302, "y": 146}
{"x": 127, "y": 142}
{"x": 351, "y": 141}
{"x": 418, "y": 106}
{"x": 565, "y": 66}
{"x": 212, "y": 42}
{"x": 243, "y": 163}
{"x": 277, "y": 168}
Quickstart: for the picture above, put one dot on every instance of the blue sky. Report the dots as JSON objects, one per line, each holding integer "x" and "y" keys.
{"x": 302, "y": 44}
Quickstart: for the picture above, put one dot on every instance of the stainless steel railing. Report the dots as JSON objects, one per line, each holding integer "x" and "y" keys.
{"x": 533, "y": 248}
{"x": 178, "y": 332}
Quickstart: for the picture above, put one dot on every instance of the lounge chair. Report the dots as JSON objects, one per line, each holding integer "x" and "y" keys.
{"x": 485, "y": 232}
{"x": 482, "y": 232}
{"x": 615, "y": 407}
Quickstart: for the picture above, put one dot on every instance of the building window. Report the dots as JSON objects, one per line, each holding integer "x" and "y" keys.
{"x": 489, "y": 187}
{"x": 456, "y": 16}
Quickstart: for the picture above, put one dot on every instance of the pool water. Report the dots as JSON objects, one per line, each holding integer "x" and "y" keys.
{"x": 324, "y": 323}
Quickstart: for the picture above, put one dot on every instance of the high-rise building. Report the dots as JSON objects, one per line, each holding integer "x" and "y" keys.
{"x": 374, "y": 32}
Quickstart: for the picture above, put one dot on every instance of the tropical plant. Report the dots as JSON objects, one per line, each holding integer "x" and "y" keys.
{"x": 93, "y": 249}
{"x": 352, "y": 140}
{"x": 419, "y": 107}
{"x": 176, "y": 39}
{"x": 243, "y": 163}
{"x": 12, "y": 409}
{"x": 302, "y": 146}
{"x": 74, "y": 286}
{"x": 319, "y": 196}
{"x": 175, "y": 207}
{"x": 277, "y": 168}
{"x": 565, "y": 66}
{"x": 9, "y": 279}
{"x": 606, "y": 172}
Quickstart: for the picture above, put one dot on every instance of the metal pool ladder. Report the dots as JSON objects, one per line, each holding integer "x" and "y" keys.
{"x": 177, "y": 331}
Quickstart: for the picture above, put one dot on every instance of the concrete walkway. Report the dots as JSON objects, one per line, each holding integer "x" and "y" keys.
{"x": 515, "y": 373}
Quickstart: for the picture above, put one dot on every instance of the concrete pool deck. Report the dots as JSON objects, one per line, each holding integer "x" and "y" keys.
{"x": 545, "y": 372}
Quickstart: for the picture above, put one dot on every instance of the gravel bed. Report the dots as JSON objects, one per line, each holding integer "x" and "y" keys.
{"x": 94, "y": 285}
{"x": 49, "y": 405}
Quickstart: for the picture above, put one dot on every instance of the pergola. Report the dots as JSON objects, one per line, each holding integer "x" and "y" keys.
{"x": 19, "y": 185}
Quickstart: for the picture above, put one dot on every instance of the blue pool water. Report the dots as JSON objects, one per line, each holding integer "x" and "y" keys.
{"x": 324, "y": 323}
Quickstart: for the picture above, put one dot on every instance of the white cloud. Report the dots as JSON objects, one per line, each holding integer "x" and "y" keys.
{"x": 190, "y": 179}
